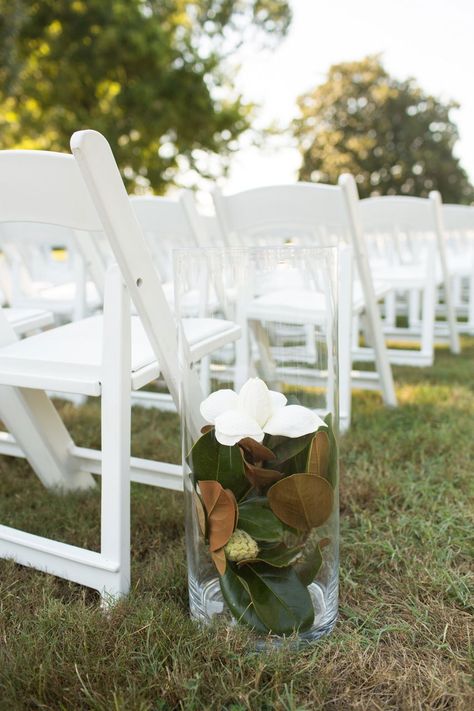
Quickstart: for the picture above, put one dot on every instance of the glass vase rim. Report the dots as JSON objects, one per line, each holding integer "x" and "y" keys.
{"x": 260, "y": 248}
{"x": 290, "y": 250}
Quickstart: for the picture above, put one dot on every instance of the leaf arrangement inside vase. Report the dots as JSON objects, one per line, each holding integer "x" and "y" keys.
{"x": 259, "y": 505}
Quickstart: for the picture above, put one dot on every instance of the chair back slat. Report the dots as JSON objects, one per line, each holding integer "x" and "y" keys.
{"x": 458, "y": 218}
{"x": 302, "y": 213}
{"x": 398, "y": 229}
{"x": 166, "y": 227}
{"x": 45, "y": 187}
{"x": 120, "y": 223}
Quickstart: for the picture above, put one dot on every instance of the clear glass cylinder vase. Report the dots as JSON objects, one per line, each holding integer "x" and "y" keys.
{"x": 259, "y": 407}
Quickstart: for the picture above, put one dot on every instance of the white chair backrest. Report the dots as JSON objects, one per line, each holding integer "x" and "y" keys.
{"x": 85, "y": 193}
{"x": 53, "y": 200}
{"x": 301, "y": 213}
{"x": 167, "y": 226}
{"x": 98, "y": 168}
{"x": 45, "y": 252}
{"x": 398, "y": 230}
{"x": 458, "y": 225}
{"x": 45, "y": 187}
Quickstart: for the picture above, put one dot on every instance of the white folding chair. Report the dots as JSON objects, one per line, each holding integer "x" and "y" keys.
{"x": 402, "y": 235}
{"x": 169, "y": 224}
{"x": 47, "y": 270}
{"x": 316, "y": 215}
{"x": 99, "y": 356}
{"x": 458, "y": 230}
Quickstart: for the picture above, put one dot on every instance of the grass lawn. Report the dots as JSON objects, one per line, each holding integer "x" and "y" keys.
{"x": 406, "y": 554}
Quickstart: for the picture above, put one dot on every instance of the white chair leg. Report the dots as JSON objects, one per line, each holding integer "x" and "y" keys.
{"x": 345, "y": 340}
{"x": 242, "y": 346}
{"x": 267, "y": 363}
{"x": 470, "y": 316}
{"x": 390, "y": 309}
{"x": 43, "y": 438}
{"x": 457, "y": 291}
{"x": 428, "y": 309}
{"x": 205, "y": 375}
{"x": 414, "y": 308}
{"x": 355, "y": 331}
{"x": 372, "y": 309}
{"x": 116, "y": 421}
{"x": 454, "y": 344}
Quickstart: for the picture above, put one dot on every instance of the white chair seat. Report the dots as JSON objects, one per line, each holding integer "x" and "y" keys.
{"x": 59, "y": 298}
{"x": 66, "y": 293}
{"x": 381, "y": 289}
{"x": 27, "y": 320}
{"x": 461, "y": 266}
{"x": 192, "y": 300}
{"x": 205, "y": 335}
{"x": 68, "y": 358}
{"x": 405, "y": 276}
{"x": 304, "y": 305}
{"x": 298, "y": 306}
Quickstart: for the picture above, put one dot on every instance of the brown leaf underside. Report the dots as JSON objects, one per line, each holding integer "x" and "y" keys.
{"x": 318, "y": 460}
{"x": 221, "y": 508}
{"x": 219, "y": 560}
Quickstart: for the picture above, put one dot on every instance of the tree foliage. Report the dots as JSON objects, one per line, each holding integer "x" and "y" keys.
{"x": 390, "y": 134}
{"x": 149, "y": 74}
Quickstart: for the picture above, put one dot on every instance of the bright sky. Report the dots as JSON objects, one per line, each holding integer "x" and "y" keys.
{"x": 431, "y": 40}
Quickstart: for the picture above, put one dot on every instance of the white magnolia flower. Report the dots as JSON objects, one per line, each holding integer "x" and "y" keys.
{"x": 254, "y": 412}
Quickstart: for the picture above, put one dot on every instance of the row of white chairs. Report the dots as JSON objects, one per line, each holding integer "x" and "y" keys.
{"x": 125, "y": 348}
{"x": 402, "y": 257}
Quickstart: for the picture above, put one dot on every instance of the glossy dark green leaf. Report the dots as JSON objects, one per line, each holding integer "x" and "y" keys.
{"x": 256, "y": 519}
{"x": 310, "y": 565}
{"x": 236, "y": 595}
{"x": 290, "y": 452}
{"x": 333, "y": 464}
{"x": 280, "y": 599}
{"x": 209, "y": 459}
{"x": 278, "y": 556}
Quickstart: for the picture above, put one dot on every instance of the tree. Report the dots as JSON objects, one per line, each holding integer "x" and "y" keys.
{"x": 149, "y": 74}
{"x": 390, "y": 134}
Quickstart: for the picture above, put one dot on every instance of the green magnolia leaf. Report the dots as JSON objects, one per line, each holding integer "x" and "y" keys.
{"x": 236, "y": 595}
{"x": 210, "y": 460}
{"x": 309, "y": 567}
{"x": 278, "y": 556}
{"x": 256, "y": 519}
{"x": 279, "y": 598}
{"x": 289, "y": 452}
{"x": 333, "y": 462}
{"x": 302, "y": 501}
{"x": 318, "y": 454}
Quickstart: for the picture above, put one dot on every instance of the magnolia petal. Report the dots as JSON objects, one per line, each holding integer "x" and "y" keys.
{"x": 293, "y": 421}
{"x": 277, "y": 400}
{"x": 234, "y": 425}
{"x": 217, "y": 403}
{"x": 254, "y": 400}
